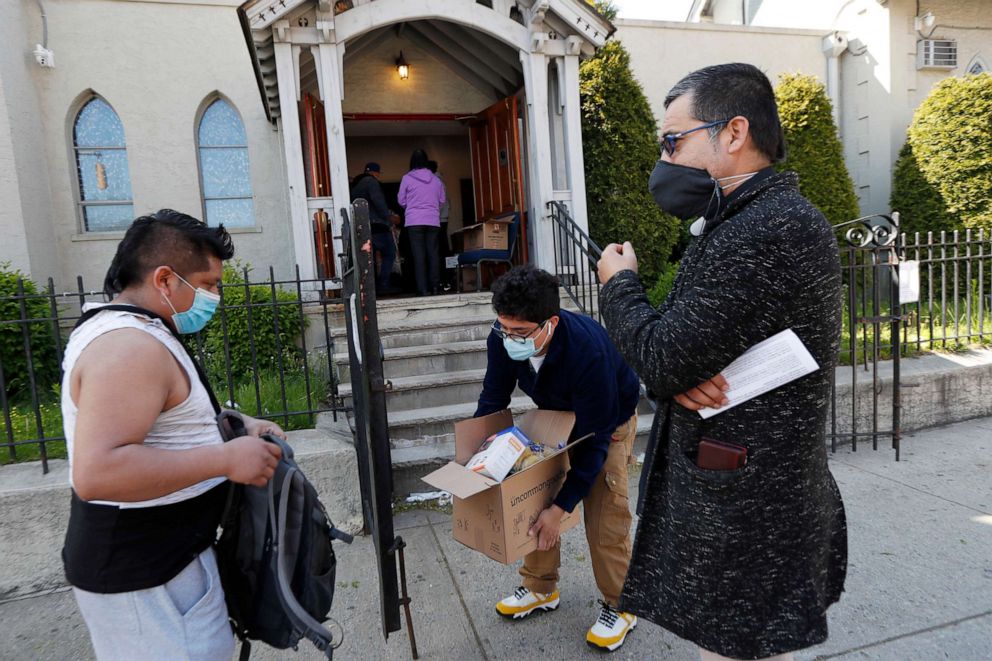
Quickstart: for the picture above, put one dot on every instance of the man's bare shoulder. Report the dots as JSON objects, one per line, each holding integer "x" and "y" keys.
{"x": 125, "y": 349}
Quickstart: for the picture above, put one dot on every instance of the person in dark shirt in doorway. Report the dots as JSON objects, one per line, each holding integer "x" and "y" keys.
{"x": 366, "y": 186}
{"x": 566, "y": 362}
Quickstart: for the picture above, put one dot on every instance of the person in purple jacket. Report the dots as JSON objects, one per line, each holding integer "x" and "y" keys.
{"x": 421, "y": 195}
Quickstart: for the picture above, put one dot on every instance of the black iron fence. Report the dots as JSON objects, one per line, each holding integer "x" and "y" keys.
{"x": 953, "y": 306}
{"x": 869, "y": 336}
{"x": 269, "y": 352}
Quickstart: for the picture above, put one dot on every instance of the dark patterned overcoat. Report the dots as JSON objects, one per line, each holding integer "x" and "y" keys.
{"x": 743, "y": 563}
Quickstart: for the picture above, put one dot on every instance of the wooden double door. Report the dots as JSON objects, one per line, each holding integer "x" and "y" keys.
{"x": 497, "y": 166}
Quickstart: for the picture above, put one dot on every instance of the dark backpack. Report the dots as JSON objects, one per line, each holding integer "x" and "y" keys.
{"x": 275, "y": 557}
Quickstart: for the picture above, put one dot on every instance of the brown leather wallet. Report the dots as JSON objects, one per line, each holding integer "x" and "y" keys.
{"x": 720, "y": 456}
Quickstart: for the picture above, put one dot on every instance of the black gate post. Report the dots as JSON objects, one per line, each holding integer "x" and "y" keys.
{"x": 370, "y": 423}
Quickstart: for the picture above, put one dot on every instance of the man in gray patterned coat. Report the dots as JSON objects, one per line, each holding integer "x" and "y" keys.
{"x": 744, "y": 562}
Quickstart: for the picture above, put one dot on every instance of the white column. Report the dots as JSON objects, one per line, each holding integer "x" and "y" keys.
{"x": 573, "y": 141}
{"x": 287, "y": 69}
{"x": 535, "y": 66}
{"x": 329, "y": 58}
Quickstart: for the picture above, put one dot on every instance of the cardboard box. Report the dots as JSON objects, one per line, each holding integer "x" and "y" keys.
{"x": 494, "y": 517}
{"x": 489, "y": 235}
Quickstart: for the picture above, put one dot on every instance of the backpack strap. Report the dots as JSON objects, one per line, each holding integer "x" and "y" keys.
{"x": 313, "y": 630}
{"x": 134, "y": 309}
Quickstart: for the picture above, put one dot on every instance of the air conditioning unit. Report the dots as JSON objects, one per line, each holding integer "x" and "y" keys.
{"x": 936, "y": 54}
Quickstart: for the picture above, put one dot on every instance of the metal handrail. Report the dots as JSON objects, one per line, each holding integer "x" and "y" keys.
{"x": 576, "y": 255}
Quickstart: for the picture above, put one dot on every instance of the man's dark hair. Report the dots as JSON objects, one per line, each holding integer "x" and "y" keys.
{"x": 432, "y": 166}
{"x": 725, "y": 91}
{"x": 168, "y": 238}
{"x": 526, "y": 292}
{"x": 418, "y": 159}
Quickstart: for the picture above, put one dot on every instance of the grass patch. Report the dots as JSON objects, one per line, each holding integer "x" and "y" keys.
{"x": 267, "y": 399}
{"x": 921, "y": 331}
{"x": 24, "y": 429}
{"x": 268, "y": 402}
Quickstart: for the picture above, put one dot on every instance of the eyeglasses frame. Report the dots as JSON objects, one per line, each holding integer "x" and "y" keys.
{"x": 519, "y": 339}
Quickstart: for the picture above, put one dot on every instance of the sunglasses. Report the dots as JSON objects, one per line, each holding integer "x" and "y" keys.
{"x": 669, "y": 141}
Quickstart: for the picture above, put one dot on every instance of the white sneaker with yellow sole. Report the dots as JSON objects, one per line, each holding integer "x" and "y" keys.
{"x": 523, "y": 602}
{"x": 611, "y": 628}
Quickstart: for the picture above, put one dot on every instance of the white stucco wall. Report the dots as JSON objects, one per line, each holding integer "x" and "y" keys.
{"x": 881, "y": 86}
{"x": 969, "y": 22}
{"x": 155, "y": 63}
{"x": 14, "y": 250}
{"x": 25, "y": 205}
{"x": 662, "y": 52}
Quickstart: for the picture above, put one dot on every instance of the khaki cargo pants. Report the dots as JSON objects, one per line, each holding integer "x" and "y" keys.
{"x": 607, "y": 517}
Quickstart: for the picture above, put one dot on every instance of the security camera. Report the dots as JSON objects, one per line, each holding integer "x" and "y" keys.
{"x": 834, "y": 44}
{"x": 44, "y": 57}
{"x": 925, "y": 22}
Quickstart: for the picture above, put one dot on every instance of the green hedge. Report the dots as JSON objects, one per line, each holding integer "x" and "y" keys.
{"x": 815, "y": 151}
{"x": 659, "y": 292}
{"x": 620, "y": 145}
{"x": 269, "y": 345}
{"x": 950, "y": 140}
{"x": 13, "y": 357}
{"x": 920, "y": 205}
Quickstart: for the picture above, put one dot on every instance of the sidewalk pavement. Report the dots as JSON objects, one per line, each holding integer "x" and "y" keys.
{"x": 919, "y": 584}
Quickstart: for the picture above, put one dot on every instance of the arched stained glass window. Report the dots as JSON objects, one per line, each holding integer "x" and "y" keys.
{"x": 101, "y": 164}
{"x": 224, "y": 176}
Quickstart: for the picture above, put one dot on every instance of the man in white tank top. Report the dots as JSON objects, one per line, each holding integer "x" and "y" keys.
{"x": 147, "y": 463}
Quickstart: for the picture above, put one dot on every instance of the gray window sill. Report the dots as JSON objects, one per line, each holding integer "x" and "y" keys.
{"x": 99, "y": 236}
{"x": 118, "y": 235}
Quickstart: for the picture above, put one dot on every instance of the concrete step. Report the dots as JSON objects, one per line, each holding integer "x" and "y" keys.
{"x": 424, "y": 308}
{"x": 431, "y": 359}
{"x": 429, "y": 390}
{"x": 420, "y": 427}
{"x": 425, "y": 333}
{"x": 403, "y": 324}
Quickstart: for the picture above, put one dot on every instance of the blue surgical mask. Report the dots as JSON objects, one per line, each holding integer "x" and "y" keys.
{"x": 521, "y": 350}
{"x": 202, "y": 311}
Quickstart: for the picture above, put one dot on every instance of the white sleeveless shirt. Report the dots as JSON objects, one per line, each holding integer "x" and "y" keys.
{"x": 190, "y": 424}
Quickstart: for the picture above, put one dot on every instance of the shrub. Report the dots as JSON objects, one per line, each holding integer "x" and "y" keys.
{"x": 619, "y": 141}
{"x": 951, "y": 140}
{"x": 13, "y": 357}
{"x": 241, "y": 301}
{"x": 920, "y": 205}
{"x": 659, "y": 292}
{"x": 815, "y": 151}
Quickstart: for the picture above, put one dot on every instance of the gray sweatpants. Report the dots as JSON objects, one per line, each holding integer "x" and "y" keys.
{"x": 183, "y": 620}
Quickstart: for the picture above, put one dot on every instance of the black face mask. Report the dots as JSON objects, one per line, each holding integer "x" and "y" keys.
{"x": 686, "y": 193}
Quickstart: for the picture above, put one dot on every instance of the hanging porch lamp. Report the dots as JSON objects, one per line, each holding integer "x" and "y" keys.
{"x": 402, "y": 67}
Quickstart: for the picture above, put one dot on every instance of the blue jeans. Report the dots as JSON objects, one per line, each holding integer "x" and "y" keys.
{"x": 384, "y": 244}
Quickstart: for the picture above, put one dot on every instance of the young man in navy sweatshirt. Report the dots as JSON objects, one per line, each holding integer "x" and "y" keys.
{"x": 566, "y": 362}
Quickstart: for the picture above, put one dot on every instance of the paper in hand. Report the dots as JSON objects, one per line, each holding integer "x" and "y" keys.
{"x": 765, "y": 366}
